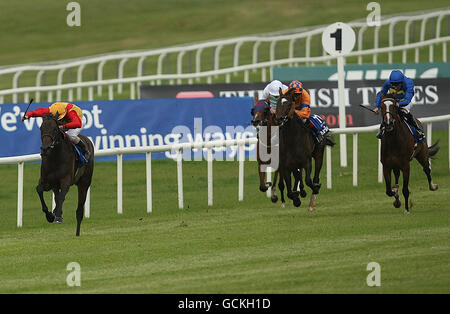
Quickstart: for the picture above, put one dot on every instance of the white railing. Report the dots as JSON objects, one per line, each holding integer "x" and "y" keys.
{"x": 119, "y": 152}
{"x": 135, "y": 81}
{"x": 262, "y": 53}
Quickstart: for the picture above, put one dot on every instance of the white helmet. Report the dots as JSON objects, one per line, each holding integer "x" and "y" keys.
{"x": 273, "y": 89}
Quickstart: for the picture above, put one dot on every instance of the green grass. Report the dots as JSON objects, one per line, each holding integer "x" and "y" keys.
{"x": 252, "y": 246}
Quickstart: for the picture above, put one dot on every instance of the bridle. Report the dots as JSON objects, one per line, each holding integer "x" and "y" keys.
{"x": 387, "y": 103}
{"x": 53, "y": 137}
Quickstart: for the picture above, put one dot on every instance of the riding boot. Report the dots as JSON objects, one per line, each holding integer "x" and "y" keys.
{"x": 319, "y": 135}
{"x": 84, "y": 149}
{"x": 413, "y": 122}
{"x": 380, "y": 132}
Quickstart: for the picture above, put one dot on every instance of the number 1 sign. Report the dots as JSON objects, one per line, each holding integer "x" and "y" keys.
{"x": 338, "y": 39}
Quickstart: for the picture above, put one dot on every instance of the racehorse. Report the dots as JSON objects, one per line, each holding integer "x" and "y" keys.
{"x": 263, "y": 118}
{"x": 302, "y": 147}
{"x": 398, "y": 148}
{"x": 59, "y": 169}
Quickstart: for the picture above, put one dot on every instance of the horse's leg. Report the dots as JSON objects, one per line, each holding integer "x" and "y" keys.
{"x": 274, "y": 196}
{"x": 405, "y": 190}
{"x": 291, "y": 194}
{"x": 397, "y": 202}
{"x": 262, "y": 181}
{"x": 281, "y": 188}
{"x": 387, "y": 180}
{"x": 308, "y": 181}
{"x": 40, "y": 191}
{"x": 82, "y": 192}
{"x": 423, "y": 159}
{"x": 300, "y": 180}
{"x": 59, "y": 199}
{"x": 318, "y": 162}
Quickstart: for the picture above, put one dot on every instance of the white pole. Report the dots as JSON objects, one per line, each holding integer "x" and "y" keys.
{"x": 429, "y": 133}
{"x": 380, "y": 165}
{"x": 20, "y": 195}
{"x": 328, "y": 150}
{"x": 341, "y": 92}
{"x": 355, "y": 159}
{"x": 180, "y": 178}
{"x": 87, "y": 204}
{"x": 269, "y": 179}
{"x": 448, "y": 144}
{"x": 210, "y": 177}
{"x": 241, "y": 172}
{"x": 119, "y": 183}
{"x": 148, "y": 168}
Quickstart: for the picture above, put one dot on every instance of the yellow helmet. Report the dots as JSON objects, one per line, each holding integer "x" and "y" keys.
{"x": 58, "y": 108}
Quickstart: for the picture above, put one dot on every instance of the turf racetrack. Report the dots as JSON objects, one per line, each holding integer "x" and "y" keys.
{"x": 252, "y": 246}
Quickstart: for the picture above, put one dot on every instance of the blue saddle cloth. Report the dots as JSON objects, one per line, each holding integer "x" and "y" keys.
{"x": 320, "y": 125}
{"x": 80, "y": 157}
{"x": 414, "y": 132}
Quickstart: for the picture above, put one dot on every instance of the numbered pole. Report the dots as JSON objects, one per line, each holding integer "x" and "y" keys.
{"x": 341, "y": 94}
{"x": 338, "y": 39}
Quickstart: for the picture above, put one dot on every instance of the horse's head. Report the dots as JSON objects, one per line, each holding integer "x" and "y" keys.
{"x": 50, "y": 133}
{"x": 285, "y": 106}
{"x": 389, "y": 112}
{"x": 260, "y": 113}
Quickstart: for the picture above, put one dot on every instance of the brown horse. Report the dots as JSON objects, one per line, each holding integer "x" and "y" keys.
{"x": 263, "y": 119}
{"x": 306, "y": 146}
{"x": 59, "y": 170}
{"x": 398, "y": 148}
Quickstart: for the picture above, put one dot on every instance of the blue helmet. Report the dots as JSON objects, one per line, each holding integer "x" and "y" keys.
{"x": 396, "y": 77}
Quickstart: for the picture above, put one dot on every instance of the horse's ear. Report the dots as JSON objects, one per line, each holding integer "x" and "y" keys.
{"x": 255, "y": 99}
{"x": 280, "y": 91}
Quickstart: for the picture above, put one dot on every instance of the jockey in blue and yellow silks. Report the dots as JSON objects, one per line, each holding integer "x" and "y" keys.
{"x": 402, "y": 88}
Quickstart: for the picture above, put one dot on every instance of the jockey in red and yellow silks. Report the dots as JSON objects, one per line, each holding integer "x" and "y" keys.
{"x": 70, "y": 118}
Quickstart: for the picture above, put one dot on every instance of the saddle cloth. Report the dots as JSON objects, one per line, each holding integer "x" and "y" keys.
{"x": 80, "y": 157}
{"x": 413, "y": 132}
{"x": 320, "y": 125}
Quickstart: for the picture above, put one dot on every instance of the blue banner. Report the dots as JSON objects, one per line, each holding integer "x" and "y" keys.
{"x": 140, "y": 123}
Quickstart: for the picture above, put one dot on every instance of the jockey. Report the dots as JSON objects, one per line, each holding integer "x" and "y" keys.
{"x": 272, "y": 92}
{"x": 302, "y": 102}
{"x": 402, "y": 88}
{"x": 71, "y": 121}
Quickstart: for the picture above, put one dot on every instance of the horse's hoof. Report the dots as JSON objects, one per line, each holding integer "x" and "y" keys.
{"x": 263, "y": 189}
{"x": 293, "y": 195}
{"x": 58, "y": 220}
{"x": 397, "y": 203}
{"x": 303, "y": 193}
{"x": 297, "y": 202}
{"x": 407, "y": 211}
{"x": 283, "y": 205}
{"x": 50, "y": 217}
{"x": 433, "y": 187}
{"x": 311, "y": 208}
{"x": 274, "y": 199}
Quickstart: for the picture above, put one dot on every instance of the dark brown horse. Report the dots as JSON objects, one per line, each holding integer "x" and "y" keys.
{"x": 304, "y": 146}
{"x": 263, "y": 120}
{"x": 59, "y": 170}
{"x": 398, "y": 149}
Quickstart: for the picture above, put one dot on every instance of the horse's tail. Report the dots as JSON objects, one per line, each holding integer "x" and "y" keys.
{"x": 433, "y": 149}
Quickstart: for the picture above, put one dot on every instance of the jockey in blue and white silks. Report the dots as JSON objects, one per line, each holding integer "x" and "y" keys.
{"x": 402, "y": 89}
